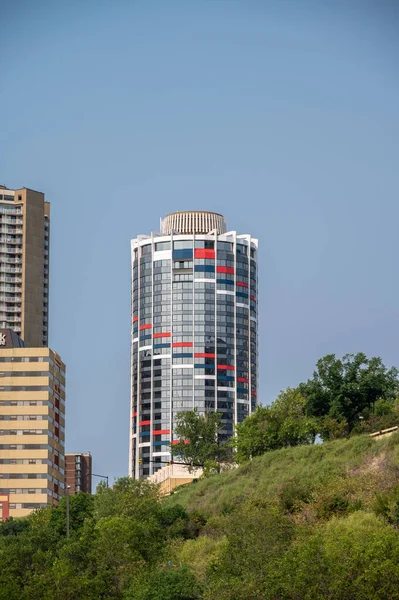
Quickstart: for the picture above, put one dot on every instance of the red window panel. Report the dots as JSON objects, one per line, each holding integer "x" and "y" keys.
{"x": 242, "y": 379}
{"x": 226, "y": 367}
{"x": 144, "y": 423}
{"x": 148, "y": 326}
{"x": 174, "y": 442}
{"x": 253, "y": 298}
{"x": 134, "y": 415}
{"x": 242, "y": 284}
{"x": 161, "y": 335}
{"x": 161, "y": 432}
{"x": 203, "y": 355}
{"x": 182, "y": 344}
{"x": 229, "y": 270}
{"x": 135, "y": 319}
{"x": 253, "y": 393}
{"x": 204, "y": 253}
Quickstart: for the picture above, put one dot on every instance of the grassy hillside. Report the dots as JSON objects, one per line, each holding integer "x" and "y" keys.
{"x": 302, "y": 523}
{"x": 356, "y": 469}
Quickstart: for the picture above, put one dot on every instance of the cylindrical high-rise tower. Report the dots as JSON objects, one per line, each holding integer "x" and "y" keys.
{"x": 194, "y": 330}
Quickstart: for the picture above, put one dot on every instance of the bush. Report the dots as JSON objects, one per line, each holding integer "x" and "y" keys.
{"x": 292, "y": 495}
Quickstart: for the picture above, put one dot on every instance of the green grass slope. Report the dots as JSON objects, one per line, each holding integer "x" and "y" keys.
{"x": 298, "y": 524}
{"x": 356, "y": 468}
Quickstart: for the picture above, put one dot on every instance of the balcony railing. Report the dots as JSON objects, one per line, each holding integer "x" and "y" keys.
{"x": 9, "y": 299}
{"x": 5, "y": 269}
{"x": 9, "y": 250}
{"x": 4, "y": 239}
{"x": 7, "y": 309}
{"x": 10, "y": 319}
{"x": 9, "y": 211}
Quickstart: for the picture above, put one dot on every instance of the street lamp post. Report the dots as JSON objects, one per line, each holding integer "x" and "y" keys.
{"x": 101, "y": 477}
{"x": 68, "y": 487}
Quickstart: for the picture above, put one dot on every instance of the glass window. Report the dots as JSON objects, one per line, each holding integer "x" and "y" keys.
{"x": 162, "y": 246}
{"x": 209, "y": 244}
{"x": 182, "y": 244}
{"x": 227, "y": 246}
{"x": 146, "y": 250}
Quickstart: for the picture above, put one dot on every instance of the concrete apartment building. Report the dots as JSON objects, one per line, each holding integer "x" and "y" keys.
{"x": 78, "y": 473}
{"x": 24, "y": 264}
{"x": 32, "y": 426}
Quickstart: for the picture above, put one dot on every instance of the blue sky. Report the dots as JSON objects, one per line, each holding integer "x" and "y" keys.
{"x": 283, "y": 116}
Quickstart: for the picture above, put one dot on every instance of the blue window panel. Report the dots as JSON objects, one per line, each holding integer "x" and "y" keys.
{"x": 145, "y": 337}
{"x": 204, "y": 268}
{"x": 242, "y": 391}
{"x": 144, "y": 433}
{"x": 183, "y": 355}
{"x": 242, "y": 294}
{"x": 162, "y": 443}
{"x": 204, "y": 366}
{"x": 182, "y": 254}
{"x": 225, "y": 378}
{"x": 161, "y": 346}
{"x": 228, "y": 281}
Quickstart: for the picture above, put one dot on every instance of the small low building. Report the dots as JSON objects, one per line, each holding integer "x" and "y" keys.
{"x": 172, "y": 476}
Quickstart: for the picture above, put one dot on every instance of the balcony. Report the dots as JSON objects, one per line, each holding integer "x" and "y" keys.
{"x": 5, "y": 269}
{"x": 10, "y": 280}
{"x": 9, "y": 319}
{"x": 12, "y": 261}
{"x": 9, "y": 211}
{"x": 10, "y": 250}
{"x": 10, "y": 288}
{"x": 10, "y": 299}
{"x": 4, "y": 239}
{"x": 12, "y": 221}
{"x": 10, "y": 230}
{"x": 9, "y": 309}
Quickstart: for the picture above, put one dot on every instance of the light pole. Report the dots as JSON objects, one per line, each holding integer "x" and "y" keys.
{"x": 101, "y": 477}
{"x": 68, "y": 487}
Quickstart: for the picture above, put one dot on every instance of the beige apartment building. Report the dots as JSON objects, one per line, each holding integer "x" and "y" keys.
{"x": 32, "y": 426}
{"x": 24, "y": 264}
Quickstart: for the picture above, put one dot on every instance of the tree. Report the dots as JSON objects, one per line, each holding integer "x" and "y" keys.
{"x": 283, "y": 423}
{"x": 13, "y": 526}
{"x": 81, "y": 507}
{"x": 256, "y": 536}
{"x": 167, "y": 583}
{"x": 345, "y": 388}
{"x": 199, "y": 440}
{"x": 134, "y": 498}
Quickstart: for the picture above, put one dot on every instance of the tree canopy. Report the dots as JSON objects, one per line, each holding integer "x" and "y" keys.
{"x": 200, "y": 443}
{"x": 283, "y": 423}
{"x": 347, "y": 388}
